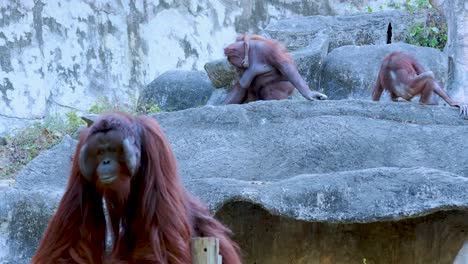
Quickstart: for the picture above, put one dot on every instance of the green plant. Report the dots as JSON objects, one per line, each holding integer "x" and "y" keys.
{"x": 104, "y": 105}
{"x": 369, "y": 9}
{"x": 410, "y": 5}
{"x": 31, "y": 141}
{"x": 429, "y": 34}
{"x": 150, "y": 109}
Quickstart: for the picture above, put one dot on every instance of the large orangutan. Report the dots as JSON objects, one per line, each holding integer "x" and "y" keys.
{"x": 404, "y": 77}
{"x": 266, "y": 71}
{"x": 128, "y": 161}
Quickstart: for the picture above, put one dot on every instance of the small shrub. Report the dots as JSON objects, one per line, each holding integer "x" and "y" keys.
{"x": 104, "y": 105}
{"x": 149, "y": 109}
{"x": 432, "y": 33}
{"x": 31, "y": 141}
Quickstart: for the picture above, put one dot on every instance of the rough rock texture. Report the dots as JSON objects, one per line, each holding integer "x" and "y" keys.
{"x": 217, "y": 97}
{"x": 221, "y": 72}
{"x": 356, "y": 29}
{"x": 351, "y": 71}
{"x": 5, "y": 184}
{"x": 177, "y": 90}
{"x": 279, "y": 171}
{"x": 26, "y": 208}
{"x": 456, "y": 13}
{"x": 287, "y": 138}
{"x": 57, "y": 55}
{"x": 308, "y": 61}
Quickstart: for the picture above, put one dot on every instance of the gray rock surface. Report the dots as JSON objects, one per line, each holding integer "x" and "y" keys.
{"x": 360, "y": 196}
{"x": 177, "y": 90}
{"x": 308, "y": 61}
{"x": 6, "y": 183}
{"x": 218, "y": 97}
{"x": 351, "y": 71}
{"x": 327, "y": 161}
{"x": 276, "y": 140}
{"x": 26, "y": 207}
{"x": 49, "y": 170}
{"x": 356, "y": 29}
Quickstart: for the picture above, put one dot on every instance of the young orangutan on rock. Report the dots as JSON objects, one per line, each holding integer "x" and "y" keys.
{"x": 404, "y": 77}
{"x": 266, "y": 71}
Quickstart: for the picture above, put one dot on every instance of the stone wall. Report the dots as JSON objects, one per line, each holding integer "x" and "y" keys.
{"x": 59, "y": 55}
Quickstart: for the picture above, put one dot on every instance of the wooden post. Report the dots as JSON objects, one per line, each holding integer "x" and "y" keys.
{"x": 205, "y": 250}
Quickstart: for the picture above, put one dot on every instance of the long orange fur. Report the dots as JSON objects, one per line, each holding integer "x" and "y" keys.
{"x": 160, "y": 216}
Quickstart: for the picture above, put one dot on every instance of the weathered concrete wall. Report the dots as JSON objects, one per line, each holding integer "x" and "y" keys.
{"x": 56, "y": 55}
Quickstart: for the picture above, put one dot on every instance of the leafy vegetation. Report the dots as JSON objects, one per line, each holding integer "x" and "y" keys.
{"x": 26, "y": 144}
{"x": 104, "y": 105}
{"x": 431, "y": 33}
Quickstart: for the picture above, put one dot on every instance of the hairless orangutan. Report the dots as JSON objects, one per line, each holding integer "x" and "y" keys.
{"x": 266, "y": 71}
{"x": 128, "y": 161}
{"x": 404, "y": 77}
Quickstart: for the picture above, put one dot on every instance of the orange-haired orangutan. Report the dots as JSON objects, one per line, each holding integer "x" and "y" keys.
{"x": 404, "y": 77}
{"x": 128, "y": 161}
{"x": 266, "y": 71}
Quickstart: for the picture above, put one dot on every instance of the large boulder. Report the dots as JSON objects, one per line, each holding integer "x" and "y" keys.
{"x": 351, "y": 71}
{"x": 176, "y": 90}
{"x": 308, "y": 61}
{"x": 355, "y": 29}
{"x": 280, "y": 171}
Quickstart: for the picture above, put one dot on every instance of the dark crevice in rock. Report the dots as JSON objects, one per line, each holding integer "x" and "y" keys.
{"x": 389, "y": 33}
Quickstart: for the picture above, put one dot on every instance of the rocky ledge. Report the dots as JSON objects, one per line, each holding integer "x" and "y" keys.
{"x": 318, "y": 181}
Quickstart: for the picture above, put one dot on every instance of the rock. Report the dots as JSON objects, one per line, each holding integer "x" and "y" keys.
{"x": 308, "y": 61}
{"x": 384, "y": 193}
{"x": 89, "y": 118}
{"x": 288, "y": 138}
{"x": 266, "y": 237}
{"x": 218, "y": 97}
{"x": 176, "y": 90}
{"x": 462, "y": 256}
{"x": 351, "y": 71}
{"x": 3, "y": 141}
{"x": 456, "y": 13}
{"x": 93, "y": 49}
{"x": 221, "y": 73}
{"x": 4, "y": 184}
{"x": 286, "y": 167}
{"x": 36, "y": 175}
{"x": 25, "y": 209}
{"x": 356, "y": 29}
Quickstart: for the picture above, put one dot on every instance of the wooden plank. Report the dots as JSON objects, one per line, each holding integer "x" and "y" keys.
{"x": 205, "y": 250}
